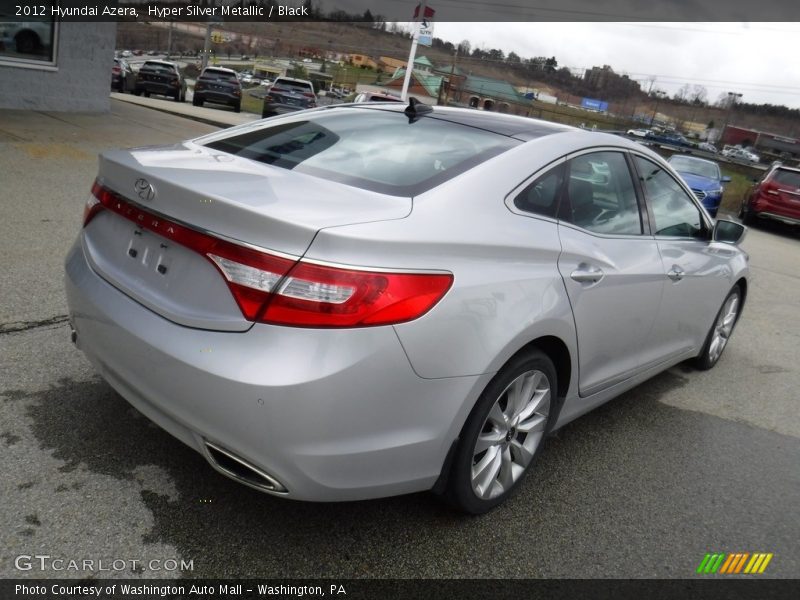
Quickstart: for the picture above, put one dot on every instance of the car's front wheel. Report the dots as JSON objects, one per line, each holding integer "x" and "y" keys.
{"x": 721, "y": 331}
{"x": 503, "y": 434}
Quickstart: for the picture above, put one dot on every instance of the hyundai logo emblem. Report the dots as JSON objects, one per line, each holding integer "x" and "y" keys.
{"x": 144, "y": 189}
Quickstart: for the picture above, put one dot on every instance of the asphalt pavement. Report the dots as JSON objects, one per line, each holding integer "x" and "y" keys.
{"x": 685, "y": 464}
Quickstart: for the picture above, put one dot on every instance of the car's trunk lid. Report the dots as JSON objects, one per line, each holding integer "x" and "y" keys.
{"x": 233, "y": 198}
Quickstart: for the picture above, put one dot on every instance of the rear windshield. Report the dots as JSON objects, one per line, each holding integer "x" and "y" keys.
{"x": 293, "y": 85}
{"x": 786, "y": 177}
{"x": 218, "y": 75}
{"x": 158, "y": 68}
{"x": 377, "y": 150}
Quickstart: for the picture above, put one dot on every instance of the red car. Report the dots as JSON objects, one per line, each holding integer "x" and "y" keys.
{"x": 776, "y": 197}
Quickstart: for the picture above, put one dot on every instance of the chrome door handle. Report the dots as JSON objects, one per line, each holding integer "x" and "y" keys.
{"x": 676, "y": 273}
{"x": 587, "y": 274}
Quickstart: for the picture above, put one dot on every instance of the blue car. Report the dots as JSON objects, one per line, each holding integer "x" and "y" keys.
{"x": 703, "y": 177}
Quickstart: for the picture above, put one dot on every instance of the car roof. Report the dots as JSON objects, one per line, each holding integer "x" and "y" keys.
{"x": 223, "y": 69}
{"x": 155, "y": 61}
{"x": 293, "y": 79}
{"x": 522, "y": 128}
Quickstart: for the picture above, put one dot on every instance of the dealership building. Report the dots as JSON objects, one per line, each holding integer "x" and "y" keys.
{"x": 56, "y": 66}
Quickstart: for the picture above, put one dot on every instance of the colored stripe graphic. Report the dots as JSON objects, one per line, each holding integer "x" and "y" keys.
{"x": 734, "y": 563}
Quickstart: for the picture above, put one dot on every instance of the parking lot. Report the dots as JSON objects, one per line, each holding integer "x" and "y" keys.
{"x": 685, "y": 464}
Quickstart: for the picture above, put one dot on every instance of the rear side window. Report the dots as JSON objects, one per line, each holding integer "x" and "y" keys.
{"x": 541, "y": 196}
{"x": 788, "y": 178}
{"x": 378, "y": 150}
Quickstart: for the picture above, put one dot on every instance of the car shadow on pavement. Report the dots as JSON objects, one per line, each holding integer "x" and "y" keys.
{"x": 634, "y": 488}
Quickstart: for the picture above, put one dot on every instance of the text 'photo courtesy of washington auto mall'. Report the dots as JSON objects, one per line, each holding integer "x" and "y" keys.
{"x": 399, "y": 299}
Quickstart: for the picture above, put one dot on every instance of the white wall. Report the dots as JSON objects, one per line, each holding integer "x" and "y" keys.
{"x": 82, "y": 78}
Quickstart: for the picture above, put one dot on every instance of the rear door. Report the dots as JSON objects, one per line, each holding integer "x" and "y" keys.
{"x": 610, "y": 266}
{"x": 782, "y": 192}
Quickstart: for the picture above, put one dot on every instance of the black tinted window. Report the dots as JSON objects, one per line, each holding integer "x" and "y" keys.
{"x": 372, "y": 149}
{"x": 541, "y": 196}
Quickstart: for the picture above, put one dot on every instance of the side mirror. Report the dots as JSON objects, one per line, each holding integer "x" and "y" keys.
{"x": 725, "y": 179}
{"x": 729, "y": 232}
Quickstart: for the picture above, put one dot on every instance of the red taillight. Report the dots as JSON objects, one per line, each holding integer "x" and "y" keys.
{"x": 115, "y": 70}
{"x": 199, "y": 86}
{"x": 309, "y": 95}
{"x": 322, "y": 296}
{"x": 282, "y": 291}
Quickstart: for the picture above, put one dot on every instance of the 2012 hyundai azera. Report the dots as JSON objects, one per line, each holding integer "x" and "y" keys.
{"x": 368, "y": 300}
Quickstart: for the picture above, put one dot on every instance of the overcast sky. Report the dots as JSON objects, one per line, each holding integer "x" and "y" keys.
{"x": 759, "y": 60}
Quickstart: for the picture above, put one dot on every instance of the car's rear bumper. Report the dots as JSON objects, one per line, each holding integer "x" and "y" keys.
{"x": 162, "y": 89}
{"x": 331, "y": 414}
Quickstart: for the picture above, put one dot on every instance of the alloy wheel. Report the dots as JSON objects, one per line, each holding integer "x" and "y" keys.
{"x": 511, "y": 434}
{"x": 723, "y": 327}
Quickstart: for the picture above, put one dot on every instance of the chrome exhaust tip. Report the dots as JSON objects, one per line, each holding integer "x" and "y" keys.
{"x": 233, "y": 466}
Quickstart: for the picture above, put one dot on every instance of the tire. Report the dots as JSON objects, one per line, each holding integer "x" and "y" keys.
{"x": 146, "y": 94}
{"x": 137, "y": 92}
{"x": 746, "y": 216}
{"x": 494, "y": 452}
{"x": 197, "y": 101}
{"x": 237, "y": 107}
{"x": 721, "y": 331}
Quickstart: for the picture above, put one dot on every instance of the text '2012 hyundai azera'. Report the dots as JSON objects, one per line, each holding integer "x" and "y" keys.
{"x": 361, "y": 301}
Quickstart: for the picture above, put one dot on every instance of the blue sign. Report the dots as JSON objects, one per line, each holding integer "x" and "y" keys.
{"x": 592, "y": 104}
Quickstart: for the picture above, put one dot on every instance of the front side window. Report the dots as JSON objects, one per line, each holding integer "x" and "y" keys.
{"x": 674, "y": 211}
{"x": 600, "y": 195}
{"x": 28, "y": 42}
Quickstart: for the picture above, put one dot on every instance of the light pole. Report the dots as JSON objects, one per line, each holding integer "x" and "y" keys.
{"x": 659, "y": 95}
{"x": 732, "y": 96}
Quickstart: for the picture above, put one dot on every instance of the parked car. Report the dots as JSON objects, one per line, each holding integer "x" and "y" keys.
{"x": 707, "y": 147}
{"x": 384, "y": 299}
{"x": 123, "y": 79}
{"x": 642, "y": 133}
{"x": 126, "y": 54}
{"x": 670, "y": 138}
{"x": 737, "y": 153}
{"x": 776, "y": 196}
{"x": 291, "y": 84}
{"x": 703, "y": 177}
{"x": 160, "y": 77}
{"x": 282, "y": 102}
{"x": 375, "y": 97}
{"x": 220, "y": 86}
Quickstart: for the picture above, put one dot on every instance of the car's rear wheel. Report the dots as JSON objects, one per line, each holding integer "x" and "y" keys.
{"x": 745, "y": 215}
{"x": 237, "y": 107}
{"x": 721, "y": 331}
{"x": 503, "y": 434}
{"x": 146, "y": 94}
{"x": 197, "y": 101}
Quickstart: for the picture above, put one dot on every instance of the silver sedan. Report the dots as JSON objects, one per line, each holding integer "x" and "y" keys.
{"x": 367, "y": 300}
